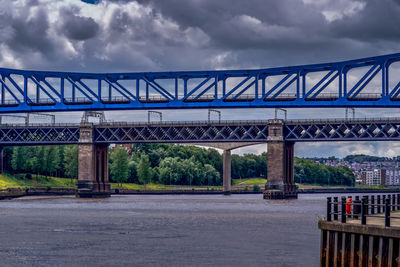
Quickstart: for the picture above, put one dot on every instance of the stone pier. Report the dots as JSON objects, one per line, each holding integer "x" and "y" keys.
{"x": 226, "y": 161}
{"x": 280, "y": 176}
{"x": 93, "y": 165}
{"x": 227, "y": 147}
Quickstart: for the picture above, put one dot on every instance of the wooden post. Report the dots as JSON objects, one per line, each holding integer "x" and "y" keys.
{"x": 343, "y": 209}
{"x": 363, "y": 209}
{"x": 378, "y": 202}
{"x": 372, "y": 204}
{"x": 398, "y": 201}
{"x": 387, "y": 213}
{"x": 335, "y": 208}
{"x": 328, "y": 209}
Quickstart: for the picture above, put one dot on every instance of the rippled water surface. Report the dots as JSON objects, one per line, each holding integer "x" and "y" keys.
{"x": 164, "y": 230}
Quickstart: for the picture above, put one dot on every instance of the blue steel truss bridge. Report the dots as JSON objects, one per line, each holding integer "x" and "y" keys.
{"x": 367, "y": 82}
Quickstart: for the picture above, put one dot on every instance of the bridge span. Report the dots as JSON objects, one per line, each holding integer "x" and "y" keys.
{"x": 279, "y": 135}
{"x": 367, "y": 82}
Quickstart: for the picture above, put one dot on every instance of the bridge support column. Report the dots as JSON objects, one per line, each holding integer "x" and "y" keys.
{"x": 226, "y": 171}
{"x": 93, "y": 166}
{"x": 280, "y": 174}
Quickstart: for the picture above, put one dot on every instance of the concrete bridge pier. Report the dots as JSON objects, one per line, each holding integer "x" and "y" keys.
{"x": 280, "y": 174}
{"x": 93, "y": 165}
{"x": 226, "y": 170}
{"x": 227, "y": 147}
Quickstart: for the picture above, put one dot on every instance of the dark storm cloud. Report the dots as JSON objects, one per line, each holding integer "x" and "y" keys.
{"x": 247, "y": 24}
{"x": 33, "y": 2}
{"x": 31, "y": 34}
{"x": 172, "y": 34}
{"x": 76, "y": 27}
{"x": 378, "y": 21}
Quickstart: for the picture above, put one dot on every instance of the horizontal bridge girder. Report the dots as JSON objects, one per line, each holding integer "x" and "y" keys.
{"x": 244, "y": 132}
{"x": 293, "y": 86}
{"x": 187, "y": 134}
{"x": 346, "y": 130}
{"x": 38, "y": 135}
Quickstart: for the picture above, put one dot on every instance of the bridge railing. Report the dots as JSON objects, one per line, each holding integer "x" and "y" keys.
{"x": 338, "y": 120}
{"x": 374, "y": 206}
{"x": 203, "y": 98}
{"x": 214, "y": 122}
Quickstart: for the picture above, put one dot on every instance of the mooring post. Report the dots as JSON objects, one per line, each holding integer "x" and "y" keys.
{"x": 328, "y": 209}
{"x": 363, "y": 210}
{"x": 366, "y": 204}
{"x": 343, "y": 210}
{"x": 393, "y": 202}
{"x": 356, "y": 207}
{"x": 383, "y": 203}
{"x": 378, "y": 204}
{"x": 387, "y": 213}
{"x": 335, "y": 208}
{"x": 398, "y": 201}
{"x": 372, "y": 204}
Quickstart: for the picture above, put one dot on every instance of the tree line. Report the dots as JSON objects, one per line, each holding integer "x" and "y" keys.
{"x": 187, "y": 165}
{"x": 158, "y": 163}
{"x": 59, "y": 161}
{"x": 309, "y": 172}
{"x": 359, "y": 158}
{"x": 165, "y": 164}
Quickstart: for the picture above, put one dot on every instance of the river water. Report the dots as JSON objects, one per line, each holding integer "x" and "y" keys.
{"x": 161, "y": 230}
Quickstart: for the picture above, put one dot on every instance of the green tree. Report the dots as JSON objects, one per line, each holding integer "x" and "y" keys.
{"x": 144, "y": 170}
{"x": 41, "y": 160}
{"x": 71, "y": 161}
{"x": 211, "y": 175}
{"x": 310, "y": 172}
{"x": 119, "y": 165}
{"x": 52, "y": 159}
{"x": 7, "y": 158}
{"x": 61, "y": 161}
{"x": 34, "y": 162}
{"x": 17, "y": 160}
{"x": 132, "y": 171}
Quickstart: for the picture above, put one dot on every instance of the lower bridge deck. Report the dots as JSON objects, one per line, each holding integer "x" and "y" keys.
{"x": 255, "y": 131}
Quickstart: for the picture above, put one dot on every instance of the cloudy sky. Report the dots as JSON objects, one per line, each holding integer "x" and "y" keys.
{"x": 166, "y": 35}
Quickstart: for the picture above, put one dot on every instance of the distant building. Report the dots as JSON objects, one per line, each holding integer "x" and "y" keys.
{"x": 374, "y": 177}
{"x": 392, "y": 177}
{"x": 128, "y": 147}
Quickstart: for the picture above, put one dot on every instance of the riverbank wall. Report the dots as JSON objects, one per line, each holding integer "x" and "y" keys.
{"x": 358, "y": 245}
{"x": 361, "y": 231}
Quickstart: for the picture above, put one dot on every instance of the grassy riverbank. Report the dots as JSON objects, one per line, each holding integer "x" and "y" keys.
{"x": 22, "y": 181}
{"x": 251, "y": 181}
